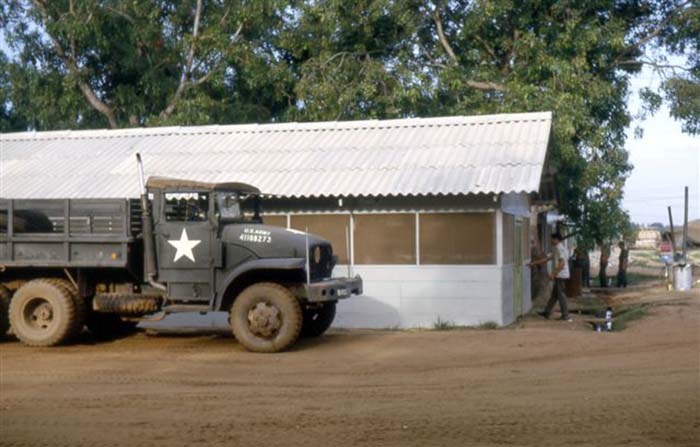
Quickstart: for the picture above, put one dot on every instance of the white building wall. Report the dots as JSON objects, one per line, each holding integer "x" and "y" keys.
{"x": 507, "y": 293}
{"x": 416, "y": 296}
{"x": 527, "y": 290}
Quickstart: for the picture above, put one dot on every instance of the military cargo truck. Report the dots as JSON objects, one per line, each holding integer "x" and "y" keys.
{"x": 184, "y": 246}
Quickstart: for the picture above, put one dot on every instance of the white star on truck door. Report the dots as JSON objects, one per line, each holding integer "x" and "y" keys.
{"x": 184, "y": 246}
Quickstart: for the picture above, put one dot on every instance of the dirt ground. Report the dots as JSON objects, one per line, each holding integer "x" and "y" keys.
{"x": 536, "y": 383}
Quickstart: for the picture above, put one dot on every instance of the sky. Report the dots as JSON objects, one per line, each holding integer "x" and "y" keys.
{"x": 665, "y": 160}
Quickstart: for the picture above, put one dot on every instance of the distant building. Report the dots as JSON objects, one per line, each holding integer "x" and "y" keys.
{"x": 693, "y": 234}
{"x": 648, "y": 238}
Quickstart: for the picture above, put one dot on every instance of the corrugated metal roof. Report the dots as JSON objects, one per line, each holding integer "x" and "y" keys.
{"x": 418, "y": 156}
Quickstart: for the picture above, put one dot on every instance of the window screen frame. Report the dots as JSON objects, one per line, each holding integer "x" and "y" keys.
{"x": 350, "y": 219}
{"x": 353, "y": 236}
{"x": 494, "y": 221}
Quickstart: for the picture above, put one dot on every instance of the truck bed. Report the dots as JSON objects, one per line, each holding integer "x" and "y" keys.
{"x": 68, "y": 232}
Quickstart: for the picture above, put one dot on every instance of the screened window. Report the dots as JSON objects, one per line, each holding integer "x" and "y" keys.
{"x": 186, "y": 207}
{"x": 458, "y": 238}
{"x": 508, "y": 238}
{"x": 385, "y": 239}
{"x": 276, "y": 220}
{"x": 330, "y": 227}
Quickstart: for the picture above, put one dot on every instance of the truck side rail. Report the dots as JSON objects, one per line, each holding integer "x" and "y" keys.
{"x": 65, "y": 232}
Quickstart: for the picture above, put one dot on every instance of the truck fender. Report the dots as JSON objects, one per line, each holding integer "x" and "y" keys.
{"x": 263, "y": 264}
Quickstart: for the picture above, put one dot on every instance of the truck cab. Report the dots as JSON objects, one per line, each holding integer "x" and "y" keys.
{"x": 189, "y": 247}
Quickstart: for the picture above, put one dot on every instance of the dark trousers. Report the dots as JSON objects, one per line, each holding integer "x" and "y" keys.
{"x": 622, "y": 278}
{"x": 603, "y": 275}
{"x": 557, "y": 295}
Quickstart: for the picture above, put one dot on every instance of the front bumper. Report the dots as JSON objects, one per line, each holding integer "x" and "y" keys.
{"x": 332, "y": 289}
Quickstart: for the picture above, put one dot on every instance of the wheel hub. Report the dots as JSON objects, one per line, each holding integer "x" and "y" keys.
{"x": 40, "y": 314}
{"x": 264, "y": 319}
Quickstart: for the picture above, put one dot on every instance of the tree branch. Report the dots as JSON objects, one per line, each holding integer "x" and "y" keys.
{"x": 186, "y": 69}
{"x": 487, "y": 47}
{"x": 71, "y": 65}
{"x": 655, "y": 32}
{"x": 122, "y": 14}
{"x": 441, "y": 34}
{"x": 478, "y": 85}
{"x": 653, "y": 64}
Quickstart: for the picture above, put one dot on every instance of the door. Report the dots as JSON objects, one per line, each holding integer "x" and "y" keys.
{"x": 518, "y": 268}
{"x": 184, "y": 241}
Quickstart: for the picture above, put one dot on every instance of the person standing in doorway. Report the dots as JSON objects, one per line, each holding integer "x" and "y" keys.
{"x": 604, "y": 258}
{"x": 559, "y": 274}
{"x": 583, "y": 262}
{"x": 622, "y": 266}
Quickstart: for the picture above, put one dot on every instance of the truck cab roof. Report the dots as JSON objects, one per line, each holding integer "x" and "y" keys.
{"x": 173, "y": 184}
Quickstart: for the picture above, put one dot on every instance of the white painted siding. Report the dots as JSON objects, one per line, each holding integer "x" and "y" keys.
{"x": 507, "y": 293}
{"x": 415, "y": 296}
{"x": 527, "y": 290}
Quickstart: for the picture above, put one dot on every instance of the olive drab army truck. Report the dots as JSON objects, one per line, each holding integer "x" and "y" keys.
{"x": 185, "y": 246}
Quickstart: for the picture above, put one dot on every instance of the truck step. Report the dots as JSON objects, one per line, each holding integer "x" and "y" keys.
{"x": 178, "y": 308}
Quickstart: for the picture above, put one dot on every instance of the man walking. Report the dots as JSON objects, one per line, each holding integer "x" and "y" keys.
{"x": 560, "y": 273}
{"x": 622, "y": 266}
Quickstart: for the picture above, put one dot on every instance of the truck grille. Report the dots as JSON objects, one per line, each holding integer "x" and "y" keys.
{"x": 324, "y": 267}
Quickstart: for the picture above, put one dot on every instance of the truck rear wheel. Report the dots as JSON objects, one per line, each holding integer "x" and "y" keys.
{"x": 43, "y": 313}
{"x": 80, "y": 304}
{"x": 318, "y": 320}
{"x": 266, "y": 317}
{"x": 5, "y": 297}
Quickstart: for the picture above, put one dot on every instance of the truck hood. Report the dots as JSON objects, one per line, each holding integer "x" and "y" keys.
{"x": 267, "y": 241}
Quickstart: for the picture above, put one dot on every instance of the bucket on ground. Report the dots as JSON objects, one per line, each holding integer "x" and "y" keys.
{"x": 682, "y": 276}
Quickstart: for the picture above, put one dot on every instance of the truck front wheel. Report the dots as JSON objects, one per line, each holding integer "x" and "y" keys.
{"x": 43, "y": 313}
{"x": 318, "y": 320}
{"x": 266, "y": 317}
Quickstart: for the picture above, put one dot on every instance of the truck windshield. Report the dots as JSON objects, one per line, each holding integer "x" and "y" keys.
{"x": 228, "y": 205}
{"x": 233, "y": 206}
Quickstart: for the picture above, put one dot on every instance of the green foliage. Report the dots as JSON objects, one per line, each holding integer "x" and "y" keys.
{"x": 96, "y": 63}
{"x": 444, "y": 325}
{"x": 680, "y": 37}
{"x": 627, "y": 315}
{"x": 684, "y": 98}
{"x": 142, "y": 62}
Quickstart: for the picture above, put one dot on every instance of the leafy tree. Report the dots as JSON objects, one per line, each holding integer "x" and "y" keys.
{"x": 84, "y": 64}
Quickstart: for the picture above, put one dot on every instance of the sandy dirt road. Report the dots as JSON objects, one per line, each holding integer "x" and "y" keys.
{"x": 539, "y": 383}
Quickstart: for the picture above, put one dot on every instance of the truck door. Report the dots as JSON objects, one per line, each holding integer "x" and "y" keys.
{"x": 184, "y": 233}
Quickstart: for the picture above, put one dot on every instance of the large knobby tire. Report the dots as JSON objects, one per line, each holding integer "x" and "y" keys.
{"x": 108, "y": 326}
{"x": 126, "y": 304}
{"x": 43, "y": 313}
{"x": 80, "y": 303}
{"x": 266, "y": 317}
{"x": 5, "y": 297}
{"x": 318, "y": 320}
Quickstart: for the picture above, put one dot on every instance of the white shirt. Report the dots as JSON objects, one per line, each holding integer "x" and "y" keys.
{"x": 561, "y": 252}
